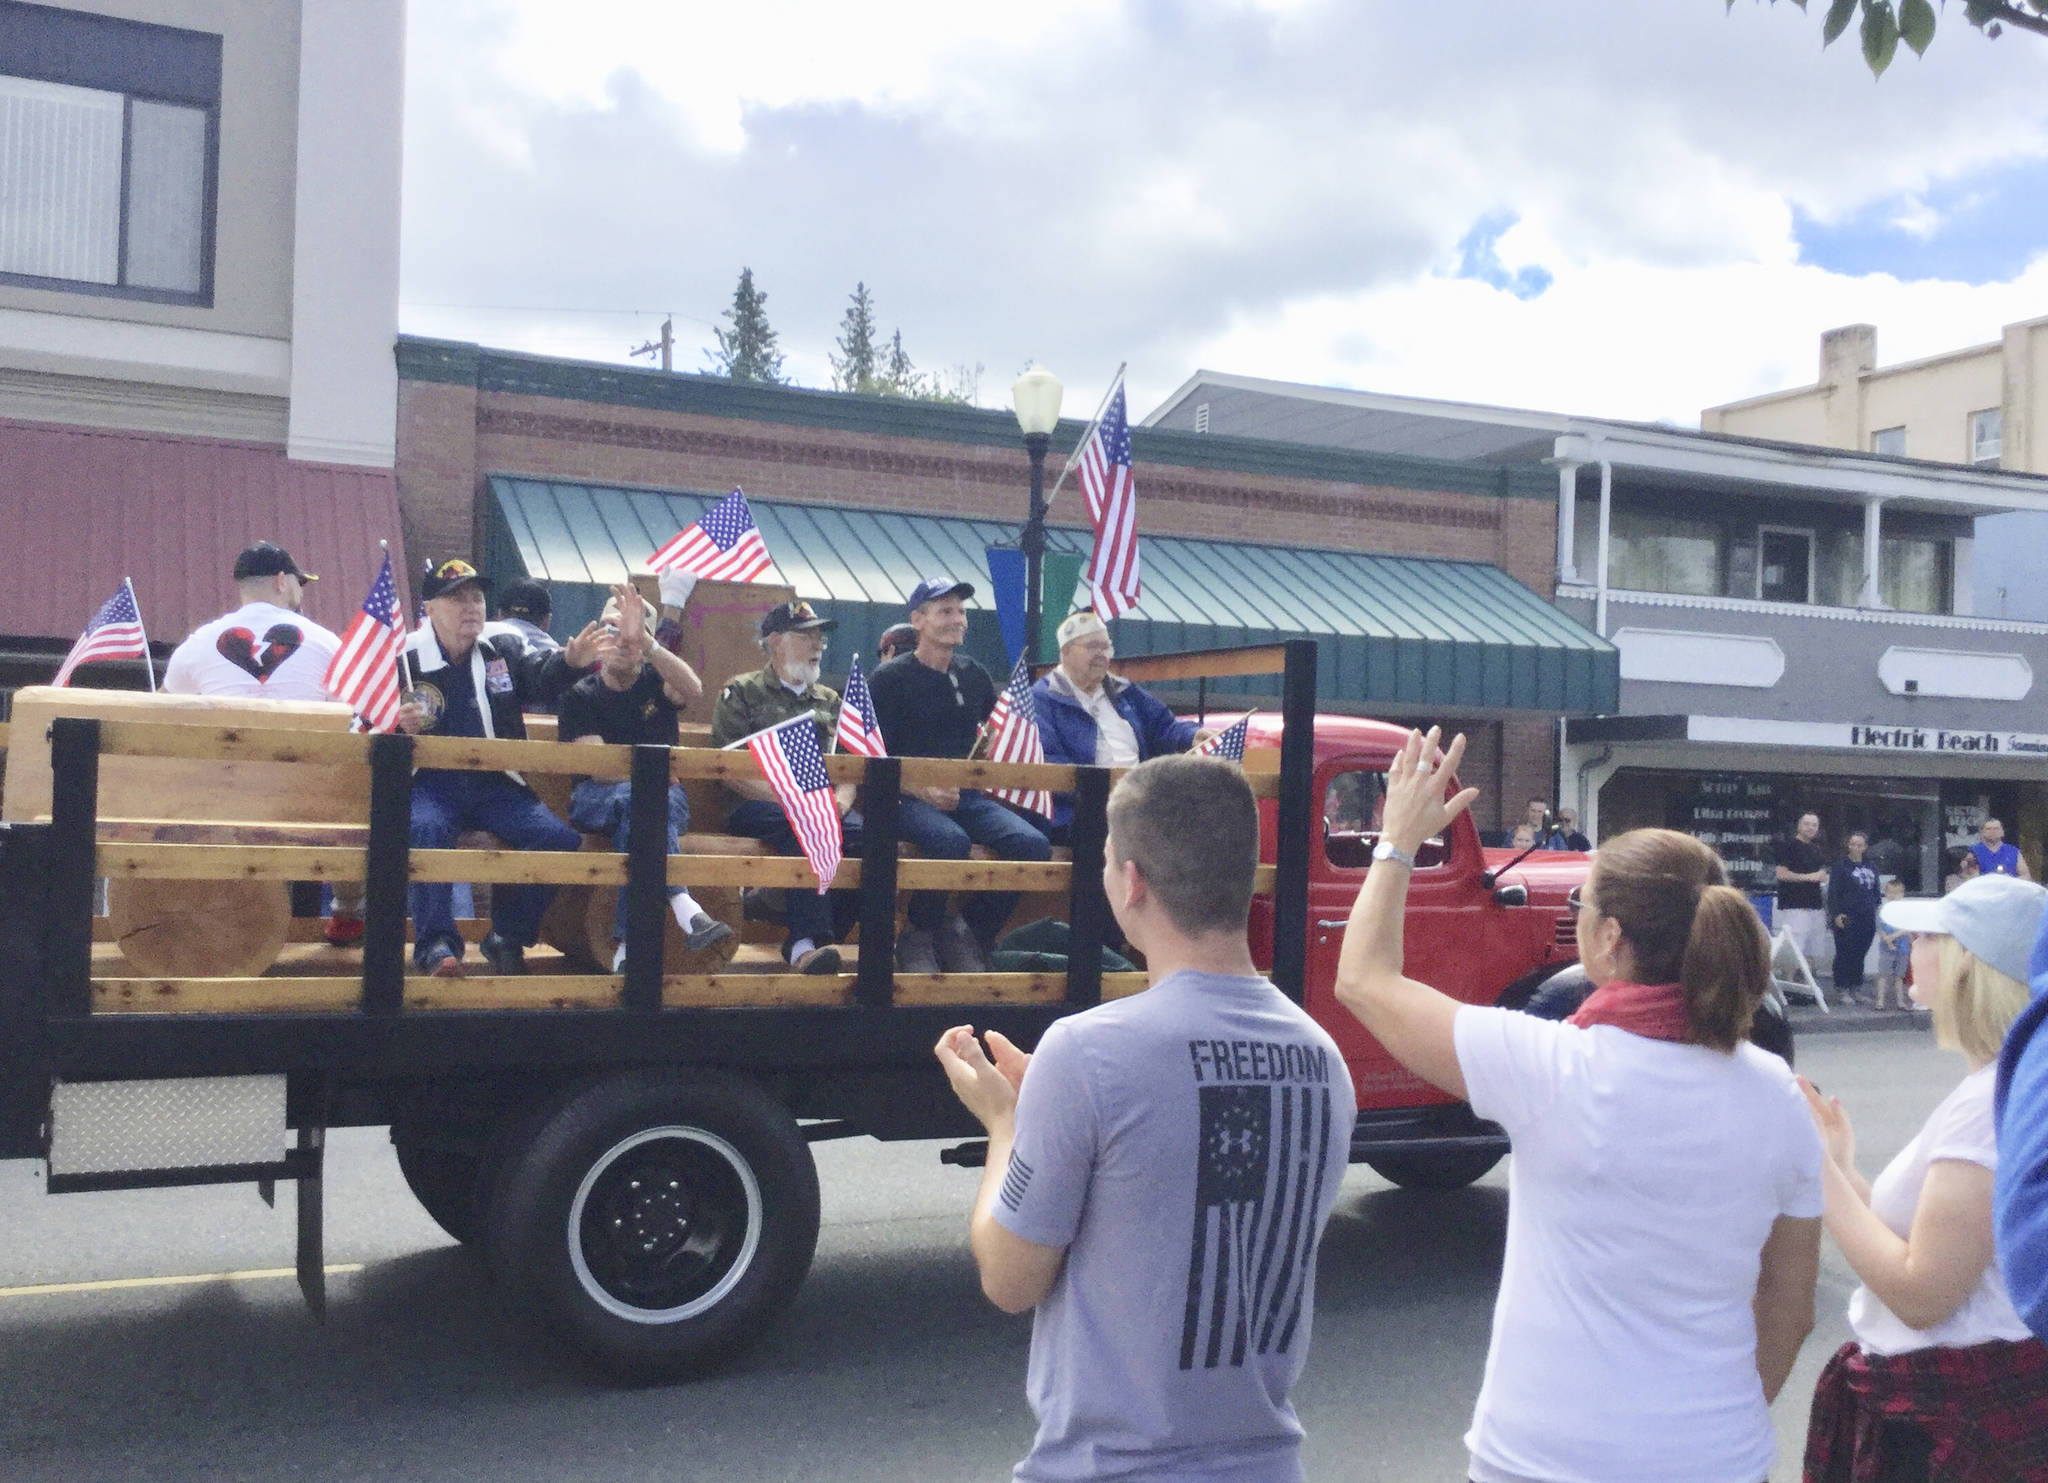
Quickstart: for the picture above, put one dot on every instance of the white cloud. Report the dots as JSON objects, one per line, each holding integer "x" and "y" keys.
{"x": 1271, "y": 188}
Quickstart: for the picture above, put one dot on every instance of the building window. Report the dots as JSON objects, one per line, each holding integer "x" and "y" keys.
{"x": 109, "y": 141}
{"x": 1987, "y": 434}
{"x": 1916, "y": 575}
{"x": 1891, "y": 440}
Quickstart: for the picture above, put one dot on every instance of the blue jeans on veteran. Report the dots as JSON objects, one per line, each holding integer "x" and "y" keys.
{"x": 446, "y": 803}
{"x": 601, "y": 806}
{"x": 979, "y": 820}
{"x": 822, "y": 919}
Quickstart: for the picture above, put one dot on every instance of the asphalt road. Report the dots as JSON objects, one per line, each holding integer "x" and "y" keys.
{"x": 889, "y": 1366}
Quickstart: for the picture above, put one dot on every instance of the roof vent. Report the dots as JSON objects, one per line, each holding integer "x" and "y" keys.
{"x": 1202, "y": 418}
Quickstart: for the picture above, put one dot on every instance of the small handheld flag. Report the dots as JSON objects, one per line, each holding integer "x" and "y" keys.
{"x": 859, "y": 731}
{"x": 790, "y": 760}
{"x": 363, "y": 673}
{"x": 724, "y": 545}
{"x": 1227, "y": 743}
{"x": 115, "y": 632}
{"x": 1012, "y": 732}
{"x": 1112, "y": 509}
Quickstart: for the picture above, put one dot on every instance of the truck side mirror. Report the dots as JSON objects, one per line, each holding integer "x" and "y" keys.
{"x": 1515, "y": 894}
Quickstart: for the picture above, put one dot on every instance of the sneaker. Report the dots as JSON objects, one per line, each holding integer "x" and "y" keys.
{"x": 343, "y": 930}
{"x": 504, "y": 956}
{"x": 706, "y": 931}
{"x": 960, "y": 951}
{"x": 917, "y": 952}
{"x": 442, "y": 962}
{"x": 819, "y": 960}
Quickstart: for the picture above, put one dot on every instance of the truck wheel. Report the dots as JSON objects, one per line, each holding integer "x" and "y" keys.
{"x": 444, "y": 1181}
{"x": 1452, "y": 1170}
{"x": 658, "y": 1222}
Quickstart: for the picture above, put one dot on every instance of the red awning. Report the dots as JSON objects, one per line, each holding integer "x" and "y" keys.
{"x": 82, "y": 508}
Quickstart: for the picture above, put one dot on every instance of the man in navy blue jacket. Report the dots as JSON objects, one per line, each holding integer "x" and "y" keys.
{"x": 1090, "y": 717}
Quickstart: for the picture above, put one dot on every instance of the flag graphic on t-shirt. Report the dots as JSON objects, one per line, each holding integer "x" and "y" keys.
{"x": 1257, "y": 1191}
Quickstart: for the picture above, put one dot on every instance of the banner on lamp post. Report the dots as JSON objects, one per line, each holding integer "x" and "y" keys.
{"x": 1059, "y": 577}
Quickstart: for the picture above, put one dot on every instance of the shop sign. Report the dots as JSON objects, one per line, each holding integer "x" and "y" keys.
{"x": 1734, "y": 816}
{"x": 1859, "y": 737}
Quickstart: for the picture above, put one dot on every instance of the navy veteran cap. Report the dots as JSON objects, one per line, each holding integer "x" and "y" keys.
{"x": 795, "y": 617}
{"x": 450, "y": 575}
{"x": 931, "y": 589}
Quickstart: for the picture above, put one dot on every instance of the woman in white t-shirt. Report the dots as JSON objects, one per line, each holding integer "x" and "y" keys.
{"x": 1942, "y": 1378}
{"x": 1664, "y": 1198}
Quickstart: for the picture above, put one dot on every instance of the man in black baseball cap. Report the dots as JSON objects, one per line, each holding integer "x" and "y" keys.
{"x": 931, "y": 703}
{"x": 793, "y": 640}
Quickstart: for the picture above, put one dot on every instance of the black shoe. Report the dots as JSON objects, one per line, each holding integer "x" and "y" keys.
{"x": 762, "y": 904}
{"x": 960, "y": 951}
{"x": 916, "y": 952}
{"x": 504, "y": 956}
{"x": 818, "y": 960}
{"x": 705, "y": 931}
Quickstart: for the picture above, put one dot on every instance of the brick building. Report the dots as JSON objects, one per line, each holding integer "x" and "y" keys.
{"x": 494, "y": 446}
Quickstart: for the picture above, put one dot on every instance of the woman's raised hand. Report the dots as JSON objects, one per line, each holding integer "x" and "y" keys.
{"x": 1836, "y": 1134}
{"x": 1416, "y": 808}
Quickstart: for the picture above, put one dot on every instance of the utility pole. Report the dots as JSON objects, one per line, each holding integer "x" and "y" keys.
{"x": 666, "y": 345}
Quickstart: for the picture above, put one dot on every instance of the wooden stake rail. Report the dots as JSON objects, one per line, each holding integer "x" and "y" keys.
{"x": 329, "y": 995}
{"x": 466, "y": 754}
{"x": 216, "y": 862}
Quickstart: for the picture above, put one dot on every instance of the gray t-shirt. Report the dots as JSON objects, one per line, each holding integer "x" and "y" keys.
{"x": 1185, "y": 1145}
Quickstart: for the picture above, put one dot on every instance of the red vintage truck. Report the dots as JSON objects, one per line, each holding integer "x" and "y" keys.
{"x": 631, "y": 1153}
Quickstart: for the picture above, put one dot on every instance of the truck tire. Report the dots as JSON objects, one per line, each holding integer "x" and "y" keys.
{"x": 1452, "y": 1170}
{"x": 444, "y": 1181}
{"x": 657, "y": 1221}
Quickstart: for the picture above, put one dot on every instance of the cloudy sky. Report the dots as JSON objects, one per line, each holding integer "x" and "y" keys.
{"x": 1629, "y": 208}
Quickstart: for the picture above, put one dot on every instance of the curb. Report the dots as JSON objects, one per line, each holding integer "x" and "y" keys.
{"x": 1809, "y": 1020}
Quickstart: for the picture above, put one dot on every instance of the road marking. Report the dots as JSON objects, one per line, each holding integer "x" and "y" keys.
{"x": 114, "y": 1284}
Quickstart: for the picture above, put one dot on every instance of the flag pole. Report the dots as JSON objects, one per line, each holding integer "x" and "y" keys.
{"x": 148, "y": 665}
{"x": 412, "y": 680}
{"x": 1093, "y": 423}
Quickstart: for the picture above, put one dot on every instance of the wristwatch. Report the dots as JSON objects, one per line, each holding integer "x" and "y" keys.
{"x": 1385, "y": 850}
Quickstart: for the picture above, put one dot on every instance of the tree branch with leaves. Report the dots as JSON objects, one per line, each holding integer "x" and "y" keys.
{"x": 1883, "y": 25}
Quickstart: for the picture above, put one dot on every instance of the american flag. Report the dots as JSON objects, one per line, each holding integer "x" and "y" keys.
{"x": 724, "y": 545}
{"x": 115, "y": 632}
{"x": 364, "y": 671}
{"x": 1113, "y": 509}
{"x": 1227, "y": 743}
{"x": 1012, "y": 732}
{"x": 789, "y": 759}
{"x": 859, "y": 729}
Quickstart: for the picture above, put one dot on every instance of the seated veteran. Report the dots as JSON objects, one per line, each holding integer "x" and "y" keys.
{"x": 1090, "y": 717}
{"x": 931, "y": 703}
{"x": 793, "y": 641}
{"x": 455, "y": 681}
{"x": 635, "y": 699}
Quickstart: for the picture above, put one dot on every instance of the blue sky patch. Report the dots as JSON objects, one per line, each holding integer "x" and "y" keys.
{"x": 1479, "y": 258}
{"x": 1984, "y": 228}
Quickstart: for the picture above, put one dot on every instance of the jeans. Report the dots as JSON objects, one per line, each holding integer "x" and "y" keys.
{"x": 446, "y": 803}
{"x": 601, "y": 806}
{"x": 979, "y": 820}
{"x": 822, "y": 919}
{"x": 1852, "y": 946}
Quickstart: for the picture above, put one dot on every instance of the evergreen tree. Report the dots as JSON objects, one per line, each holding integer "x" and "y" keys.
{"x": 747, "y": 351}
{"x": 856, "y": 365}
{"x": 899, "y": 375}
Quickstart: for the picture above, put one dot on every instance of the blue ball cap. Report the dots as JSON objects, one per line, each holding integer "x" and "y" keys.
{"x": 931, "y": 589}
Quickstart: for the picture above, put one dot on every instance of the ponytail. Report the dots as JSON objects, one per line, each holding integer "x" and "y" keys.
{"x": 1726, "y": 970}
{"x": 1685, "y": 924}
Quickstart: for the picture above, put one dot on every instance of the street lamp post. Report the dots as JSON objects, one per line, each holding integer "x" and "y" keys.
{"x": 1036, "y": 397}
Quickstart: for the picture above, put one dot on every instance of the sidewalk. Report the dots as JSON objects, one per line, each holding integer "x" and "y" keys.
{"x": 1849, "y": 1019}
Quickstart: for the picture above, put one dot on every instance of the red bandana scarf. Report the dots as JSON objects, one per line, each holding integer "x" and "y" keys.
{"x": 1655, "y": 1011}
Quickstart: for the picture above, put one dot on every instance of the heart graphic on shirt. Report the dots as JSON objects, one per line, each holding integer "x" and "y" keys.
{"x": 238, "y": 647}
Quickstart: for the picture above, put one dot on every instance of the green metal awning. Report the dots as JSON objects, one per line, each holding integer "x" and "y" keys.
{"x": 1392, "y": 630}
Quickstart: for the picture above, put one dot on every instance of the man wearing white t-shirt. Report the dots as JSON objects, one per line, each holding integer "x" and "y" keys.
{"x": 266, "y": 649}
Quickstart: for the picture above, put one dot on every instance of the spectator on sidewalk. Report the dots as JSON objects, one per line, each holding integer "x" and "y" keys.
{"x": 1894, "y": 951}
{"x": 1156, "y": 1195}
{"x": 1802, "y": 875}
{"x": 1996, "y": 857}
{"x": 1852, "y": 913}
{"x": 1941, "y": 1368}
{"x": 1568, "y": 826}
{"x": 1664, "y": 1234}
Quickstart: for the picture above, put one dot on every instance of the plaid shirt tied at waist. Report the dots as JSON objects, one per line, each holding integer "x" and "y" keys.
{"x": 1983, "y": 1408}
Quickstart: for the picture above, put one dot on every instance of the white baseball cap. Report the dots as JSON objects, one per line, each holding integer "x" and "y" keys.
{"x": 1994, "y": 916}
